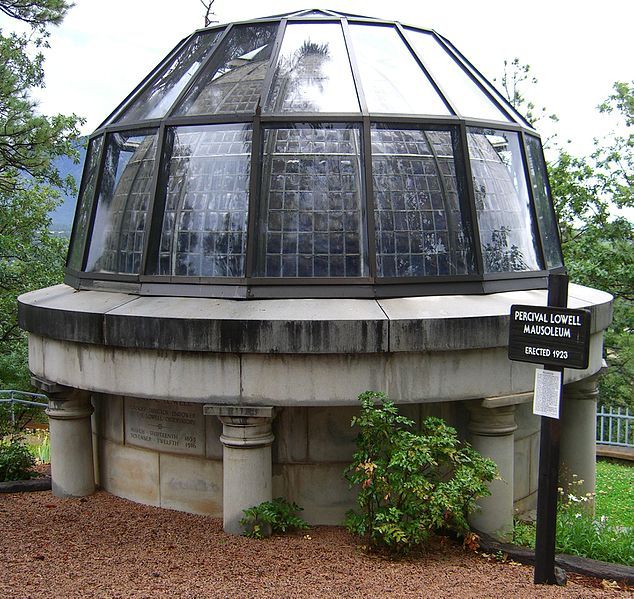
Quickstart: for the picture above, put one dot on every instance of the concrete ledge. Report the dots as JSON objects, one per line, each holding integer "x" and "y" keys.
{"x": 63, "y": 313}
{"x": 507, "y": 400}
{"x": 291, "y": 326}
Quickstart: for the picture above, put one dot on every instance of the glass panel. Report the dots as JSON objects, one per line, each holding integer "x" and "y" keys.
{"x": 492, "y": 90}
{"x": 543, "y": 206}
{"x": 311, "y": 13}
{"x": 157, "y": 98}
{"x": 232, "y": 82}
{"x": 421, "y": 228}
{"x": 206, "y": 203}
{"x": 466, "y": 96}
{"x": 313, "y": 72}
{"x": 124, "y": 195}
{"x": 507, "y": 235}
{"x": 312, "y": 224}
{"x": 391, "y": 79}
{"x": 84, "y": 204}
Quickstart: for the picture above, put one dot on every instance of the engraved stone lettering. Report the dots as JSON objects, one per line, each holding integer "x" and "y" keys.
{"x": 172, "y": 426}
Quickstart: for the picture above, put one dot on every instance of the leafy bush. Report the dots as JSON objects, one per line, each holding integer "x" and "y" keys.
{"x": 276, "y": 516}
{"x": 16, "y": 461}
{"x": 411, "y": 483}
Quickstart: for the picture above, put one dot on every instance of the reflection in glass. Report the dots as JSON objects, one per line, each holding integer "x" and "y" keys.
{"x": 506, "y": 227}
{"x": 543, "y": 207}
{"x": 391, "y": 79}
{"x": 313, "y": 71}
{"x": 232, "y": 82}
{"x": 85, "y": 203}
{"x": 122, "y": 204}
{"x": 157, "y": 98}
{"x": 419, "y": 224}
{"x": 311, "y": 222}
{"x": 206, "y": 203}
{"x": 462, "y": 91}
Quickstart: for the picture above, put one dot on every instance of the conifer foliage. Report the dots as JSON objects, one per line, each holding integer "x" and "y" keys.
{"x": 30, "y": 186}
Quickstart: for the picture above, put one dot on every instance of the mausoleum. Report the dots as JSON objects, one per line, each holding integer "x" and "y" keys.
{"x": 285, "y": 213}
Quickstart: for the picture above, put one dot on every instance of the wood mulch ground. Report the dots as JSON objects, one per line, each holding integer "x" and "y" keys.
{"x": 104, "y": 546}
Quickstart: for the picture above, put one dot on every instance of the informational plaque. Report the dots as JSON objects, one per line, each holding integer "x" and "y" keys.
{"x": 171, "y": 426}
{"x": 547, "y": 393}
{"x": 550, "y": 336}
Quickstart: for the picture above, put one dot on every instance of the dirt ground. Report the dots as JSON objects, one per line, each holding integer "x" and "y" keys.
{"x": 103, "y": 546}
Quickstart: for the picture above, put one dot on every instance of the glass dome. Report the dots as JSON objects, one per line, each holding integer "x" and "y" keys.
{"x": 314, "y": 154}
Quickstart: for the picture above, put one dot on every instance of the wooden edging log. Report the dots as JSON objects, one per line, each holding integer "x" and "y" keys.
{"x": 615, "y": 452}
{"x": 570, "y": 563}
{"x": 26, "y": 486}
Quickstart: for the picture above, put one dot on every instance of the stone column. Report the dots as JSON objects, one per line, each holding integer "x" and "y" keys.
{"x": 577, "y": 454}
{"x": 246, "y": 459}
{"x": 491, "y": 434}
{"x": 69, "y": 411}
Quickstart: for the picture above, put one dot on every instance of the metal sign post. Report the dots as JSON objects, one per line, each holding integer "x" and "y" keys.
{"x": 558, "y": 338}
{"x": 549, "y": 464}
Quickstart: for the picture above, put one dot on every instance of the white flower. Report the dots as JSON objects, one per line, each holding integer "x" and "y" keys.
{"x": 577, "y": 515}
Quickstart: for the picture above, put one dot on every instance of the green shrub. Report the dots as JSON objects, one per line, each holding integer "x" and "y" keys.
{"x": 16, "y": 461}
{"x": 276, "y": 516}
{"x": 411, "y": 484}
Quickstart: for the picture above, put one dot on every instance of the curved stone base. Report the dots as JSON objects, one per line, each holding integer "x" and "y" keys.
{"x": 311, "y": 450}
{"x": 153, "y": 363}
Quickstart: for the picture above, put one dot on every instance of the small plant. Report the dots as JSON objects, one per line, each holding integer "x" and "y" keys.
{"x": 411, "y": 483}
{"x": 579, "y": 532}
{"x": 40, "y": 447}
{"x": 16, "y": 461}
{"x": 276, "y": 516}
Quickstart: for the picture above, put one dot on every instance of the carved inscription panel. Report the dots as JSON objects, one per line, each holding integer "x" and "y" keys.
{"x": 172, "y": 426}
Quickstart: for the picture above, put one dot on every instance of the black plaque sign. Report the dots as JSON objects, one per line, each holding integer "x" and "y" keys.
{"x": 550, "y": 336}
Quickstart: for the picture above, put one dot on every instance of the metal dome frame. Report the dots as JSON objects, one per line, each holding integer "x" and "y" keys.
{"x": 252, "y": 286}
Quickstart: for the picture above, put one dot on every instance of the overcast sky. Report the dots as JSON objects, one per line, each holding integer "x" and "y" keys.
{"x": 577, "y": 49}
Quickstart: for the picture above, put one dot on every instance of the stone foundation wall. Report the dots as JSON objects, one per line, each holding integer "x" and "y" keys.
{"x": 187, "y": 479}
{"x": 138, "y": 457}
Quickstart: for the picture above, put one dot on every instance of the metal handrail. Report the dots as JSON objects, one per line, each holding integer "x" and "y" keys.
{"x": 13, "y": 396}
{"x": 614, "y": 427}
{"x": 13, "y": 392}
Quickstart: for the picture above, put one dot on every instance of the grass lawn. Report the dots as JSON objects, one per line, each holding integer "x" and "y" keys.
{"x": 615, "y": 492}
{"x": 609, "y": 535}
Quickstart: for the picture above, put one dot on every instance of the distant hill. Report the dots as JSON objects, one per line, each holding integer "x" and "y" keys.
{"x": 62, "y": 216}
